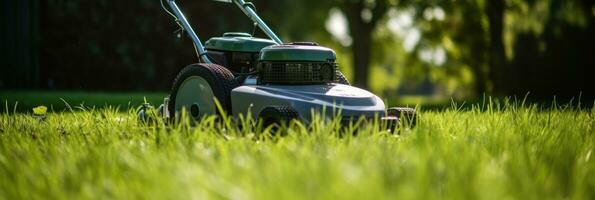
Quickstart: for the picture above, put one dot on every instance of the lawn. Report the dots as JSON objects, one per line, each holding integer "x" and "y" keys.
{"x": 23, "y": 101}
{"x": 488, "y": 151}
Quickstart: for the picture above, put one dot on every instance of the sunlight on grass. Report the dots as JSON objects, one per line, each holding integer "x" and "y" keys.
{"x": 495, "y": 151}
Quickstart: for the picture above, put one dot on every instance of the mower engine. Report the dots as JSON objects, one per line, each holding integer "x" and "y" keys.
{"x": 236, "y": 51}
{"x": 296, "y": 64}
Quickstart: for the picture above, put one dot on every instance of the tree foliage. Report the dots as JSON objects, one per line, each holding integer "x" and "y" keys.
{"x": 460, "y": 48}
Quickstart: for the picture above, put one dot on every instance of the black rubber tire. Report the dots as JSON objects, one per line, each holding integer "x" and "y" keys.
{"x": 277, "y": 115}
{"x": 407, "y": 116}
{"x": 219, "y": 78}
{"x": 340, "y": 78}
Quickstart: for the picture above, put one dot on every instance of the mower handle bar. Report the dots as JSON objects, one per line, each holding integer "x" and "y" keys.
{"x": 249, "y": 11}
{"x": 245, "y": 7}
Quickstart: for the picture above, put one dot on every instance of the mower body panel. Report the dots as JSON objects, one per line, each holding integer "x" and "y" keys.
{"x": 328, "y": 99}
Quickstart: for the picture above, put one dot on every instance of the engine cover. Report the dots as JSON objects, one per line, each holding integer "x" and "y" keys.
{"x": 296, "y": 63}
{"x": 236, "y": 51}
{"x": 237, "y": 42}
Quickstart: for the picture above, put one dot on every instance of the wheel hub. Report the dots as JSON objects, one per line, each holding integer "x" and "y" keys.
{"x": 195, "y": 95}
{"x": 194, "y": 111}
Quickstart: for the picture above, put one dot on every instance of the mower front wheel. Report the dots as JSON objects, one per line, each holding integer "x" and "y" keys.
{"x": 196, "y": 88}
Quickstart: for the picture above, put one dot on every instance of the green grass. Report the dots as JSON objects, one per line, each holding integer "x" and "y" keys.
{"x": 496, "y": 151}
{"x": 23, "y": 101}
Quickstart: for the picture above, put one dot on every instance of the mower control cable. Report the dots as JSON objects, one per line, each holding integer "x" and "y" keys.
{"x": 181, "y": 29}
{"x": 181, "y": 20}
{"x": 248, "y": 9}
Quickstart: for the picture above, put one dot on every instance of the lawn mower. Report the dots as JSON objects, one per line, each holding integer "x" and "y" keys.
{"x": 239, "y": 74}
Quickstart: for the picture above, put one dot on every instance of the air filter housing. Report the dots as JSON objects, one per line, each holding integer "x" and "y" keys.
{"x": 296, "y": 63}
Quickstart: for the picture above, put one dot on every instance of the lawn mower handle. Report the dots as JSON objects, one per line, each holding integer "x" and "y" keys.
{"x": 181, "y": 19}
{"x": 256, "y": 19}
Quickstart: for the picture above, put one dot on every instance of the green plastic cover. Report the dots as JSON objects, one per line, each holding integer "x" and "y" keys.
{"x": 234, "y": 41}
{"x": 291, "y": 52}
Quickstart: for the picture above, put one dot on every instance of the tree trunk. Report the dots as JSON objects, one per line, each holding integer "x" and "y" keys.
{"x": 360, "y": 52}
{"x": 498, "y": 69}
{"x": 361, "y": 33}
{"x": 475, "y": 46}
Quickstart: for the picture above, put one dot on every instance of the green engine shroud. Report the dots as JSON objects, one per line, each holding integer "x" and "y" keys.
{"x": 236, "y": 51}
{"x": 237, "y": 42}
{"x": 297, "y": 63}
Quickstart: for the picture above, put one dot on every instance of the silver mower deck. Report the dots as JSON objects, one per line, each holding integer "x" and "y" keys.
{"x": 333, "y": 98}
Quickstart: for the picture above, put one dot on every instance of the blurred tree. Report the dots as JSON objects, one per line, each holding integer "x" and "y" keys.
{"x": 498, "y": 69}
{"x": 515, "y": 47}
{"x": 363, "y": 17}
{"x": 505, "y": 47}
{"x": 553, "y": 49}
